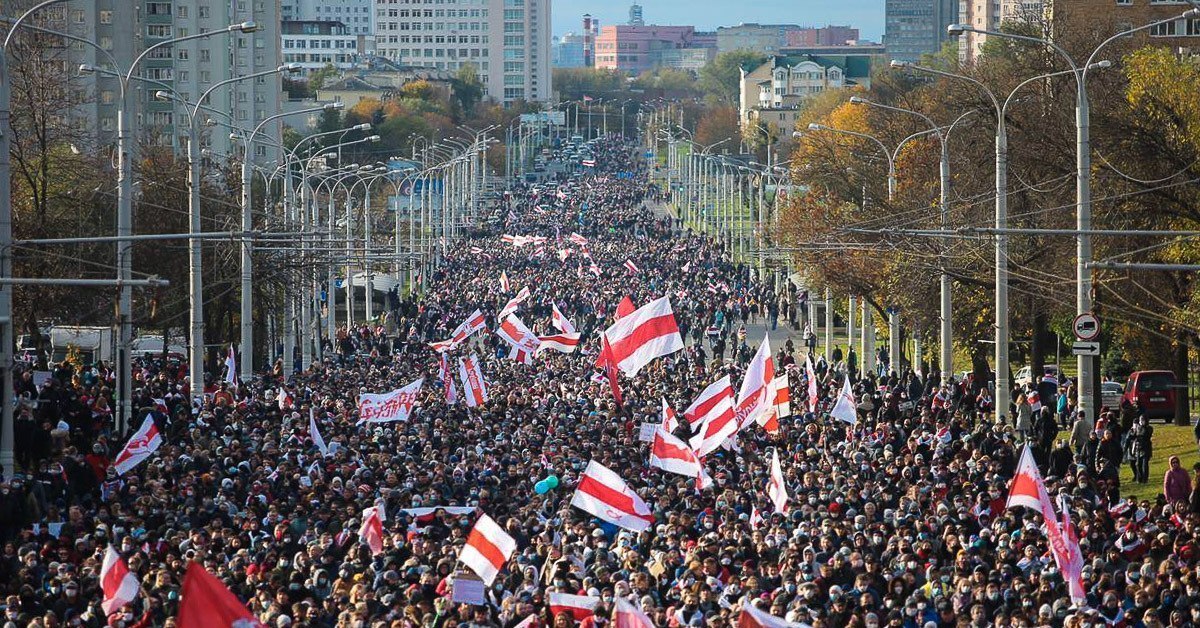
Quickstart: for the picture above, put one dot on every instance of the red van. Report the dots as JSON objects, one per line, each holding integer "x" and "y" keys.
{"x": 1154, "y": 392}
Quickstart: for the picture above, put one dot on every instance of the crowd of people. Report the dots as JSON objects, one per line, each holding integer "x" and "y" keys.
{"x": 897, "y": 520}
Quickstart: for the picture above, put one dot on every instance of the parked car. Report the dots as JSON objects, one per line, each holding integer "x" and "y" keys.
{"x": 1154, "y": 392}
{"x": 1025, "y": 375}
{"x": 1110, "y": 394}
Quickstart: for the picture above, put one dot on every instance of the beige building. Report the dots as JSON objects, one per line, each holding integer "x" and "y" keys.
{"x": 778, "y": 88}
{"x": 1109, "y": 17}
{"x": 990, "y": 15}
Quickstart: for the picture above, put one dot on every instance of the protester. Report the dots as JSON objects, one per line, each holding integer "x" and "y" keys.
{"x": 897, "y": 519}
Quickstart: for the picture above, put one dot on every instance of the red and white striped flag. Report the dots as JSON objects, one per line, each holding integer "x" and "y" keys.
{"x": 672, "y": 454}
{"x": 811, "y": 375}
{"x": 752, "y": 617}
{"x": 626, "y": 615}
{"x": 207, "y": 602}
{"x": 120, "y": 586}
{"x": 646, "y": 334}
{"x": 1028, "y": 490}
{"x": 447, "y": 380}
{"x": 475, "y": 322}
{"x": 757, "y": 396}
{"x": 593, "y": 268}
{"x": 605, "y": 361}
{"x": 625, "y": 308}
{"x": 579, "y": 606}
{"x": 755, "y": 518}
{"x": 561, "y": 323}
{"x": 371, "y": 530}
{"x": 631, "y": 267}
{"x": 776, "y": 489}
{"x": 476, "y": 250}
{"x": 563, "y": 254}
{"x": 578, "y": 239}
{"x": 844, "y": 409}
{"x": 524, "y": 343}
{"x": 563, "y": 343}
{"x": 783, "y": 397}
{"x": 513, "y": 303}
{"x": 504, "y": 281}
{"x": 140, "y": 446}
{"x": 487, "y": 549}
{"x": 603, "y": 494}
{"x": 283, "y": 398}
{"x": 711, "y": 417}
{"x": 669, "y": 421}
{"x": 474, "y": 387}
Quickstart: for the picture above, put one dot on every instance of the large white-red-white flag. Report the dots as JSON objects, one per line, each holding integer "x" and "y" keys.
{"x": 579, "y": 606}
{"x": 475, "y": 322}
{"x": 626, "y": 615}
{"x": 371, "y": 530}
{"x": 844, "y": 409}
{"x": 561, "y": 323}
{"x": 578, "y": 239}
{"x": 1028, "y": 490}
{"x": 474, "y": 388}
{"x": 602, "y": 493}
{"x": 524, "y": 343}
{"x": 783, "y": 397}
{"x": 672, "y": 454}
{"x": 670, "y": 422}
{"x": 757, "y": 396}
{"x": 207, "y": 602}
{"x": 631, "y": 267}
{"x": 140, "y": 446}
{"x": 776, "y": 488}
{"x": 649, "y": 332}
{"x": 752, "y": 617}
{"x": 388, "y": 407}
{"x": 488, "y": 548}
{"x": 711, "y": 417}
{"x": 119, "y": 585}
{"x": 513, "y": 303}
{"x": 563, "y": 343}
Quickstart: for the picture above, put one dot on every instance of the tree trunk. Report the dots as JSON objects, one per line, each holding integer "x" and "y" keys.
{"x": 1180, "y": 366}
{"x": 1037, "y": 345}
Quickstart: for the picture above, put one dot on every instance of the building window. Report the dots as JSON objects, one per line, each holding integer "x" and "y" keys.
{"x": 158, "y": 31}
{"x": 1163, "y": 30}
{"x": 181, "y": 11}
{"x": 106, "y": 17}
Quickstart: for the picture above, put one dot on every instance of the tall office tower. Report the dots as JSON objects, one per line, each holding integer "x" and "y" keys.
{"x": 508, "y": 41}
{"x": 635, "y": 15}
{"x": 916, "y": 27}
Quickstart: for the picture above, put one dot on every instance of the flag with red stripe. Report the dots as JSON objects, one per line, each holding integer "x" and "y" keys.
{"x": 811, "y": 375}
{"x": 488, "y": 548}
{"x": 626, "y": 615}
{"x": 672, "y": 454}
{"x": 447, "y": 380}
{"x": 757, "y": 396}
{"x": 474, "y": 387}
{"x": 711, "y": 416}
{"x": 580, "y": 607}
{"x": 669, "y": 421}
{"x": 513, "y": 303}
{"x": 563, "y": 343}
{"x": 625, "y": 307}
{"x": 776, "y": 488}
{"x": 648, "y": 333}
{"x": 120, "y": 586}
{"x": 751, "y": 617}
{"x": 371, "y": 530}
{"x": 578, "y": 239}
{"x": 524, "y": 343}
{"x": 631, "y": 267}
{"x": 561, "y": 323}
{"x": 606, "y": 363}
{"x": 603, "y": 494}
{"x": 503, "y": 281}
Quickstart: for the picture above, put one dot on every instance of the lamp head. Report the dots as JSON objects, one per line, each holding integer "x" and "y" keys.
{"x": 1192, "y": 12}
{"x": 898, "y": 64}
{"x": 86, "y": 68}
{"x": 954, "y": 30}
{"x": 248, "y": 26}
{"x": 813, "y": 126}
{"x": 365, "y": 126}
{"x": 333, "y": 106}
{"x": 162, "y": 95}
{"x": 289, "y": 67}
{"x": 857, "y": 100}
{"x": 1102, "y": 64}
{"x": 373, "y": 138}
{"x": 797, "y": 134}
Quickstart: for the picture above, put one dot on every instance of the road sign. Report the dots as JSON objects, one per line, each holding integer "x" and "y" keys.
{"x": 1085, "y": 348}
{"x": 1087, "y": 327}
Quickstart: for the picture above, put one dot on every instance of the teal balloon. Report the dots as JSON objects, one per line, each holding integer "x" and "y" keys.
{"x": 552, "y": 481}
{"x": 541, "y": 488}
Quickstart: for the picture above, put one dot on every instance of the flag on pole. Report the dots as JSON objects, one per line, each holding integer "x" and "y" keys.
{"x": 487, "y": 549}
{"x": 231, "y": 367}
{"x": 513, "y": 303}
{"x": 524, "y": 343}
{"x": 561, "y": 323}
{"x": 669, "y": 421}
{"x": 447, "y": 378}
{"x": 580, "y": 607}
{"x": 563, "y": 343}
{"x": 371, "y": 530}
{"x": 672, "y": 454}
{"x": 609, "y": 365}
{"x": 1028, "y": 490}
{"x": 783, "y": 397}
{"x": 120, "y": 586}
{"x": 757, "y": 395}
{"x": 811, "y": 375}
{"x": 503, "y": 281}
{"x": 315, "y": 434}
{"x": 206, "y": 602}
{"x": 631, "y": 267}
{"x": 603, "y": 494}
{"x": 844, "y": 410}
{"x": 141, "y": 446}
{"x": 776, "y": 489}
{"x": 648, "y": 333}
{"x": 711, "y": 417}
{"x": 474, "y": 387}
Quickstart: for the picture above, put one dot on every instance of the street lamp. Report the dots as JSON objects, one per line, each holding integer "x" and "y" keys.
{"x": 1083, "y": 184}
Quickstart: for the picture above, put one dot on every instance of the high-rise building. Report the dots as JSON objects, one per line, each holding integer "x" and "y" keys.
{"x": 764, "y": 38}
{"x": 1110, "y": 18}
{"x": 635, "y": 15}
{"x": 124, "y": 29}
{"x": 635, "y": 49}
{"x": 568, "y": 51}
{"x": 508, "y": 41}
{"x": 916, "y": 27}
{"x": 356, "y": 15}
{"x": 591, "y": 27}
{"x": 822, "y": 36}
{"x": 315, "y": 44}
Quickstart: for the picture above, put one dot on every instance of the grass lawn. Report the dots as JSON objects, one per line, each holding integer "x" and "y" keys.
{"x": 1169, "y": 440}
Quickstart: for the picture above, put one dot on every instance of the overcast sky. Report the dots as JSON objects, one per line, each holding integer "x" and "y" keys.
{"x": 866, "y": 15}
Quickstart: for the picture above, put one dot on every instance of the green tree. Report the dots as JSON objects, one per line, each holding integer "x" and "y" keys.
{"x": 719, "y": 79}
{"x": 468, "y": 89}
{"x": 318, "y": 78}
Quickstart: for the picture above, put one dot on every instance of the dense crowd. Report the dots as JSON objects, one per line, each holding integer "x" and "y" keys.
{"x": 896, "y": 520}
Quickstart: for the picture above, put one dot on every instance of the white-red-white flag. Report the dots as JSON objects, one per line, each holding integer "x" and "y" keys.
{"x": 488, "y": 548}
{"x": 811, "y": 375}
{"x": 756, "y": 398}
{"x": 561, "y": 323}
{"x": 371, "y": 530}
{"x": 631, "y": 267}
{"x": 1028, "y": 490}
{"x": 207, "y": 602}
{"x": 669, "y": 421}
{"x": 579, "y": 606}
{"x": 315, "y": 434}
{"x": 578, "y": 239}
{"x": 844, "y": 409}
{"x": 672, "y": 454}
{"x": 283, "y": 398}
{"x": 755, "y": 518}
{"x": 649, "y": 332}
{"x": 776, "y": 488}
{"x": 231, "y": 367}
{"x": 783, "y": 397}
{"x": 119, "y": 585}
{"x": 447, "y": 378}
{"x": 513, "y": 303}
{"x": 602, "y": 493}
{"x": 140, "y": 446}
{"x": 752, "y": 617}
{"x": 626, "y": 615}
{"x": 475, "y": 322}
{"x": 711, "y": 417}
{"x": 563, "y": 343}
{"x": 504, "y": 281}
{"x": 524, "y": 343}
{"x": 474, "y": 388}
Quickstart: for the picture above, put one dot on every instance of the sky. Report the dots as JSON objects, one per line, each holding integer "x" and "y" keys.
{"x": 866, "y": 15}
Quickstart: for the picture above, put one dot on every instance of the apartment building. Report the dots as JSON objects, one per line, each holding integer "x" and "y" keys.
{"x": 123, "y": 29}
{"x": 1113, "y": 16}
{"x": 776, "y": 90}
{"x": 357, "y": 16}
{"x": 764, "y": 38}
{"x": 822, "y": 36}
{"x": 636, "y": 49}
{"x": 315, "y": 44}
{"x": 916, "y": 27}
{"x": 508, "y": 41}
